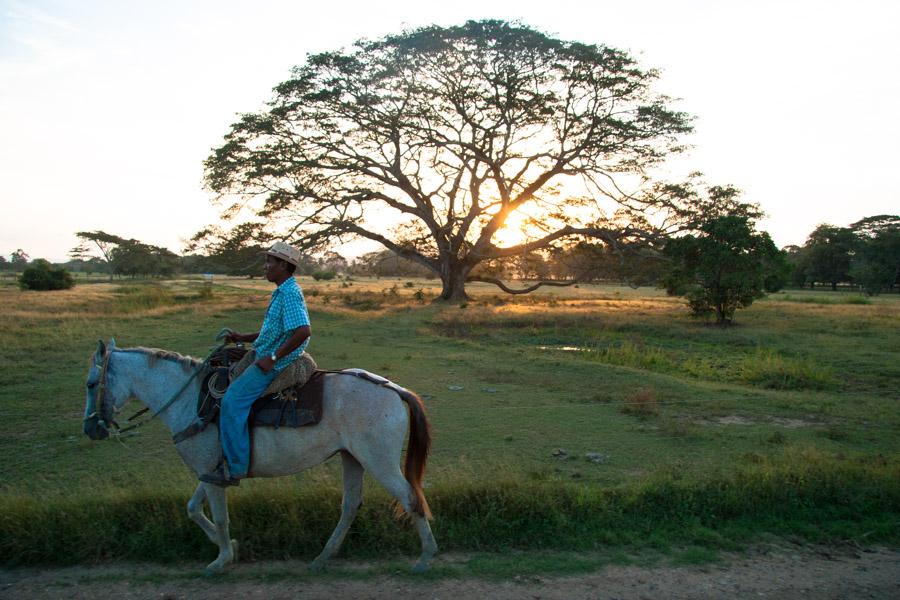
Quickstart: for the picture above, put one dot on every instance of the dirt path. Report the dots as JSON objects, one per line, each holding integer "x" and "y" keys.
{"x": 807, "y": 573}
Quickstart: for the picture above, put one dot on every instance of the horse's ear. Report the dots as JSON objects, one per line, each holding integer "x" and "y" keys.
{"x": 101, "y": 350}
{"x": 112, "y": 344}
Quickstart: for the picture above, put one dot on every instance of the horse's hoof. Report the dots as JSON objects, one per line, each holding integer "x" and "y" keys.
{"x": 234, "y": 550}
{"x": 420, "y": 567}
{"x": 317, "y": 566}
{"x": 214, "y": 568}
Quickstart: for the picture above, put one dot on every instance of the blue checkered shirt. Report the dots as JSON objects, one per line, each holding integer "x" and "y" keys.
{"x": 287, "y": 312}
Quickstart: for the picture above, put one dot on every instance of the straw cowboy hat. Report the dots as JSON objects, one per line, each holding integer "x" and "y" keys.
{"x": 285, "y": 252}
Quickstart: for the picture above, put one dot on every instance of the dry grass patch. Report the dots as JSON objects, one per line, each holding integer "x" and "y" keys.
{"x": 642, "y": 403}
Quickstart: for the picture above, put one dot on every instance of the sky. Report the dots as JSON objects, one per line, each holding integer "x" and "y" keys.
{"x": 108, "y": 108}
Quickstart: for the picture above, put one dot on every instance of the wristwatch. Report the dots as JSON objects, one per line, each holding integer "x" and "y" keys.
{"x": 273, "y": 357}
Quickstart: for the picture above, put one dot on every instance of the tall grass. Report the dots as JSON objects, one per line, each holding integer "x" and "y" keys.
{"x": 813, "y": 498}
{"x": 767, "y": 368}
{"x": 139, "y": 297}
{"x": 631, "y": 354}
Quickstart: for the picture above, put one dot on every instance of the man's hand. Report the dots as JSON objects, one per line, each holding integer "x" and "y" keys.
{"x": 265, "y": 364}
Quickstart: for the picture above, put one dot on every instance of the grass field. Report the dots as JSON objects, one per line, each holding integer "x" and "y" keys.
{"x": 784, "y": 424}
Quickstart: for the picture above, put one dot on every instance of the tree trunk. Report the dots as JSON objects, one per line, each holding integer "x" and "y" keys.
{"x": 721, "y": 316}
{"x": 453, "y": 279}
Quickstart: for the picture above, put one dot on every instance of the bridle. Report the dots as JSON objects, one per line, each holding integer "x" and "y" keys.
{"x": 100, "y": 412}
{"x": 104, "y": 414}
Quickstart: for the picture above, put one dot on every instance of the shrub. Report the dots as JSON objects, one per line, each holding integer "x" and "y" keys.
{"x": 323, "y": 275}
{"x": 41, "y": 275}
{"x": 361, "y": 302}
{"x": 642, "y": 403}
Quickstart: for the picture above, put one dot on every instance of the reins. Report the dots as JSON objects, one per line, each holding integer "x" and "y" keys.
{"x": 200, "y": 368}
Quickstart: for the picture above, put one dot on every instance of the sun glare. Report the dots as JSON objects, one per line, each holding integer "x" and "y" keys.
{"x": 514, "y": 231}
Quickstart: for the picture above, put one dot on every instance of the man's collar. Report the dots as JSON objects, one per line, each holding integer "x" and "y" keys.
{"x": 289, "y": 282}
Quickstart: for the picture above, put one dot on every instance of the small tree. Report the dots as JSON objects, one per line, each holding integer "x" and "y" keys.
{"x": 726, "y": 266}
{"x": 41, "y": 275}
{"x": 18, "y": 260}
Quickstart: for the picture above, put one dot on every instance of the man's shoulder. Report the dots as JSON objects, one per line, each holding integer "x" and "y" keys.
{"x": 292, "y": 292}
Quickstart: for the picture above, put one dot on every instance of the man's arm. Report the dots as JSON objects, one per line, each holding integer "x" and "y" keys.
{"x": 299, "y": 336}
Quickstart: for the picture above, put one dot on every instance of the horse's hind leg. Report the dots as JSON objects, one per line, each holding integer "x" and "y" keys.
{"x": 219, "y": 534}
{"x": 353, "y": 483}
{"x": 390, "y": 476}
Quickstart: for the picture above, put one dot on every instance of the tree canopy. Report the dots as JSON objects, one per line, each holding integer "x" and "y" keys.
{"x": 126, "y": 256}
{"x": 430, "y": 140}
{"x": 865, "y": 253}
{"x": 726, "y": 266}
{"x": 829, "y": 250}
{"x": 875, "y": 264}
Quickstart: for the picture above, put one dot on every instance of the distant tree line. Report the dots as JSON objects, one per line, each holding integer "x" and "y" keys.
{"x": 865, "y": 255}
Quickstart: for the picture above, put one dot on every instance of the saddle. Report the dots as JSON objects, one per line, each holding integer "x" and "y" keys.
{"x": 293, "y": 399}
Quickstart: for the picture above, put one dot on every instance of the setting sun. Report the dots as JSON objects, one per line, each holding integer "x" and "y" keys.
{"x": 514, "y": 231}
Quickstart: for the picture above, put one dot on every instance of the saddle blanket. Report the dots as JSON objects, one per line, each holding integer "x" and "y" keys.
{"x": 294, "y": 406}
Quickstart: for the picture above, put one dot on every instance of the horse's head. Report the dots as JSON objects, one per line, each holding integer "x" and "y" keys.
{"x": 100, "y": 406}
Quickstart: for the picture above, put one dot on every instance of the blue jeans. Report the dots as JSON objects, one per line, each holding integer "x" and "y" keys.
{"x": 233, "y": 430}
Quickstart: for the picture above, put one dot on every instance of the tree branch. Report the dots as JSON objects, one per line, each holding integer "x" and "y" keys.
{"x": 527, "y": 290}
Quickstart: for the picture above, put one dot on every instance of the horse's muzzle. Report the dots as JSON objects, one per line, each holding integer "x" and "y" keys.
{"x": 94, "y": 429}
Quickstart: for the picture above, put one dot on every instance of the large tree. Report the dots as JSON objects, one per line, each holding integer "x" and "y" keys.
{"x": 432, "y": 141}
{"x": 829, "y": 250}
{"x": 875, "y": 264}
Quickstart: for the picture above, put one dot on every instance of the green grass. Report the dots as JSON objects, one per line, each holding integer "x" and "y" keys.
{"x": 823, "y": 500}
{"x": 820, "y": 299}
{"x": 784, "y": 424}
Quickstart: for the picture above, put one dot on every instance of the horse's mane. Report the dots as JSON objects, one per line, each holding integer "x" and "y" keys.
{"x": 187, "y": 363}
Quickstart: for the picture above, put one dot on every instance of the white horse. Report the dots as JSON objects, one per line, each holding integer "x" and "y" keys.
{"x": 363, "y": 421}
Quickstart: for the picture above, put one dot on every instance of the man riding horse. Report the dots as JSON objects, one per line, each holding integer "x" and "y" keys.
{"x": 282, "y": 339}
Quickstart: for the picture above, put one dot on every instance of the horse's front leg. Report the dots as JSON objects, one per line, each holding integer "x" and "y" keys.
{"x": 195, "y": 512}
{"x": 219, "y": 532}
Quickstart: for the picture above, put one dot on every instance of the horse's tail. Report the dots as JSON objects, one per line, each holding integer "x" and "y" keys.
{"x": 417, "y": 450}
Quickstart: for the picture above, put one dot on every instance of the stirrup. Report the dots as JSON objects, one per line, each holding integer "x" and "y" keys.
{"x": 220, "y": 477}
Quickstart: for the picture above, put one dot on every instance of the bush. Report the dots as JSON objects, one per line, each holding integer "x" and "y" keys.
{"x": 323, "y": 275}
{"x": 41, "y": 275}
